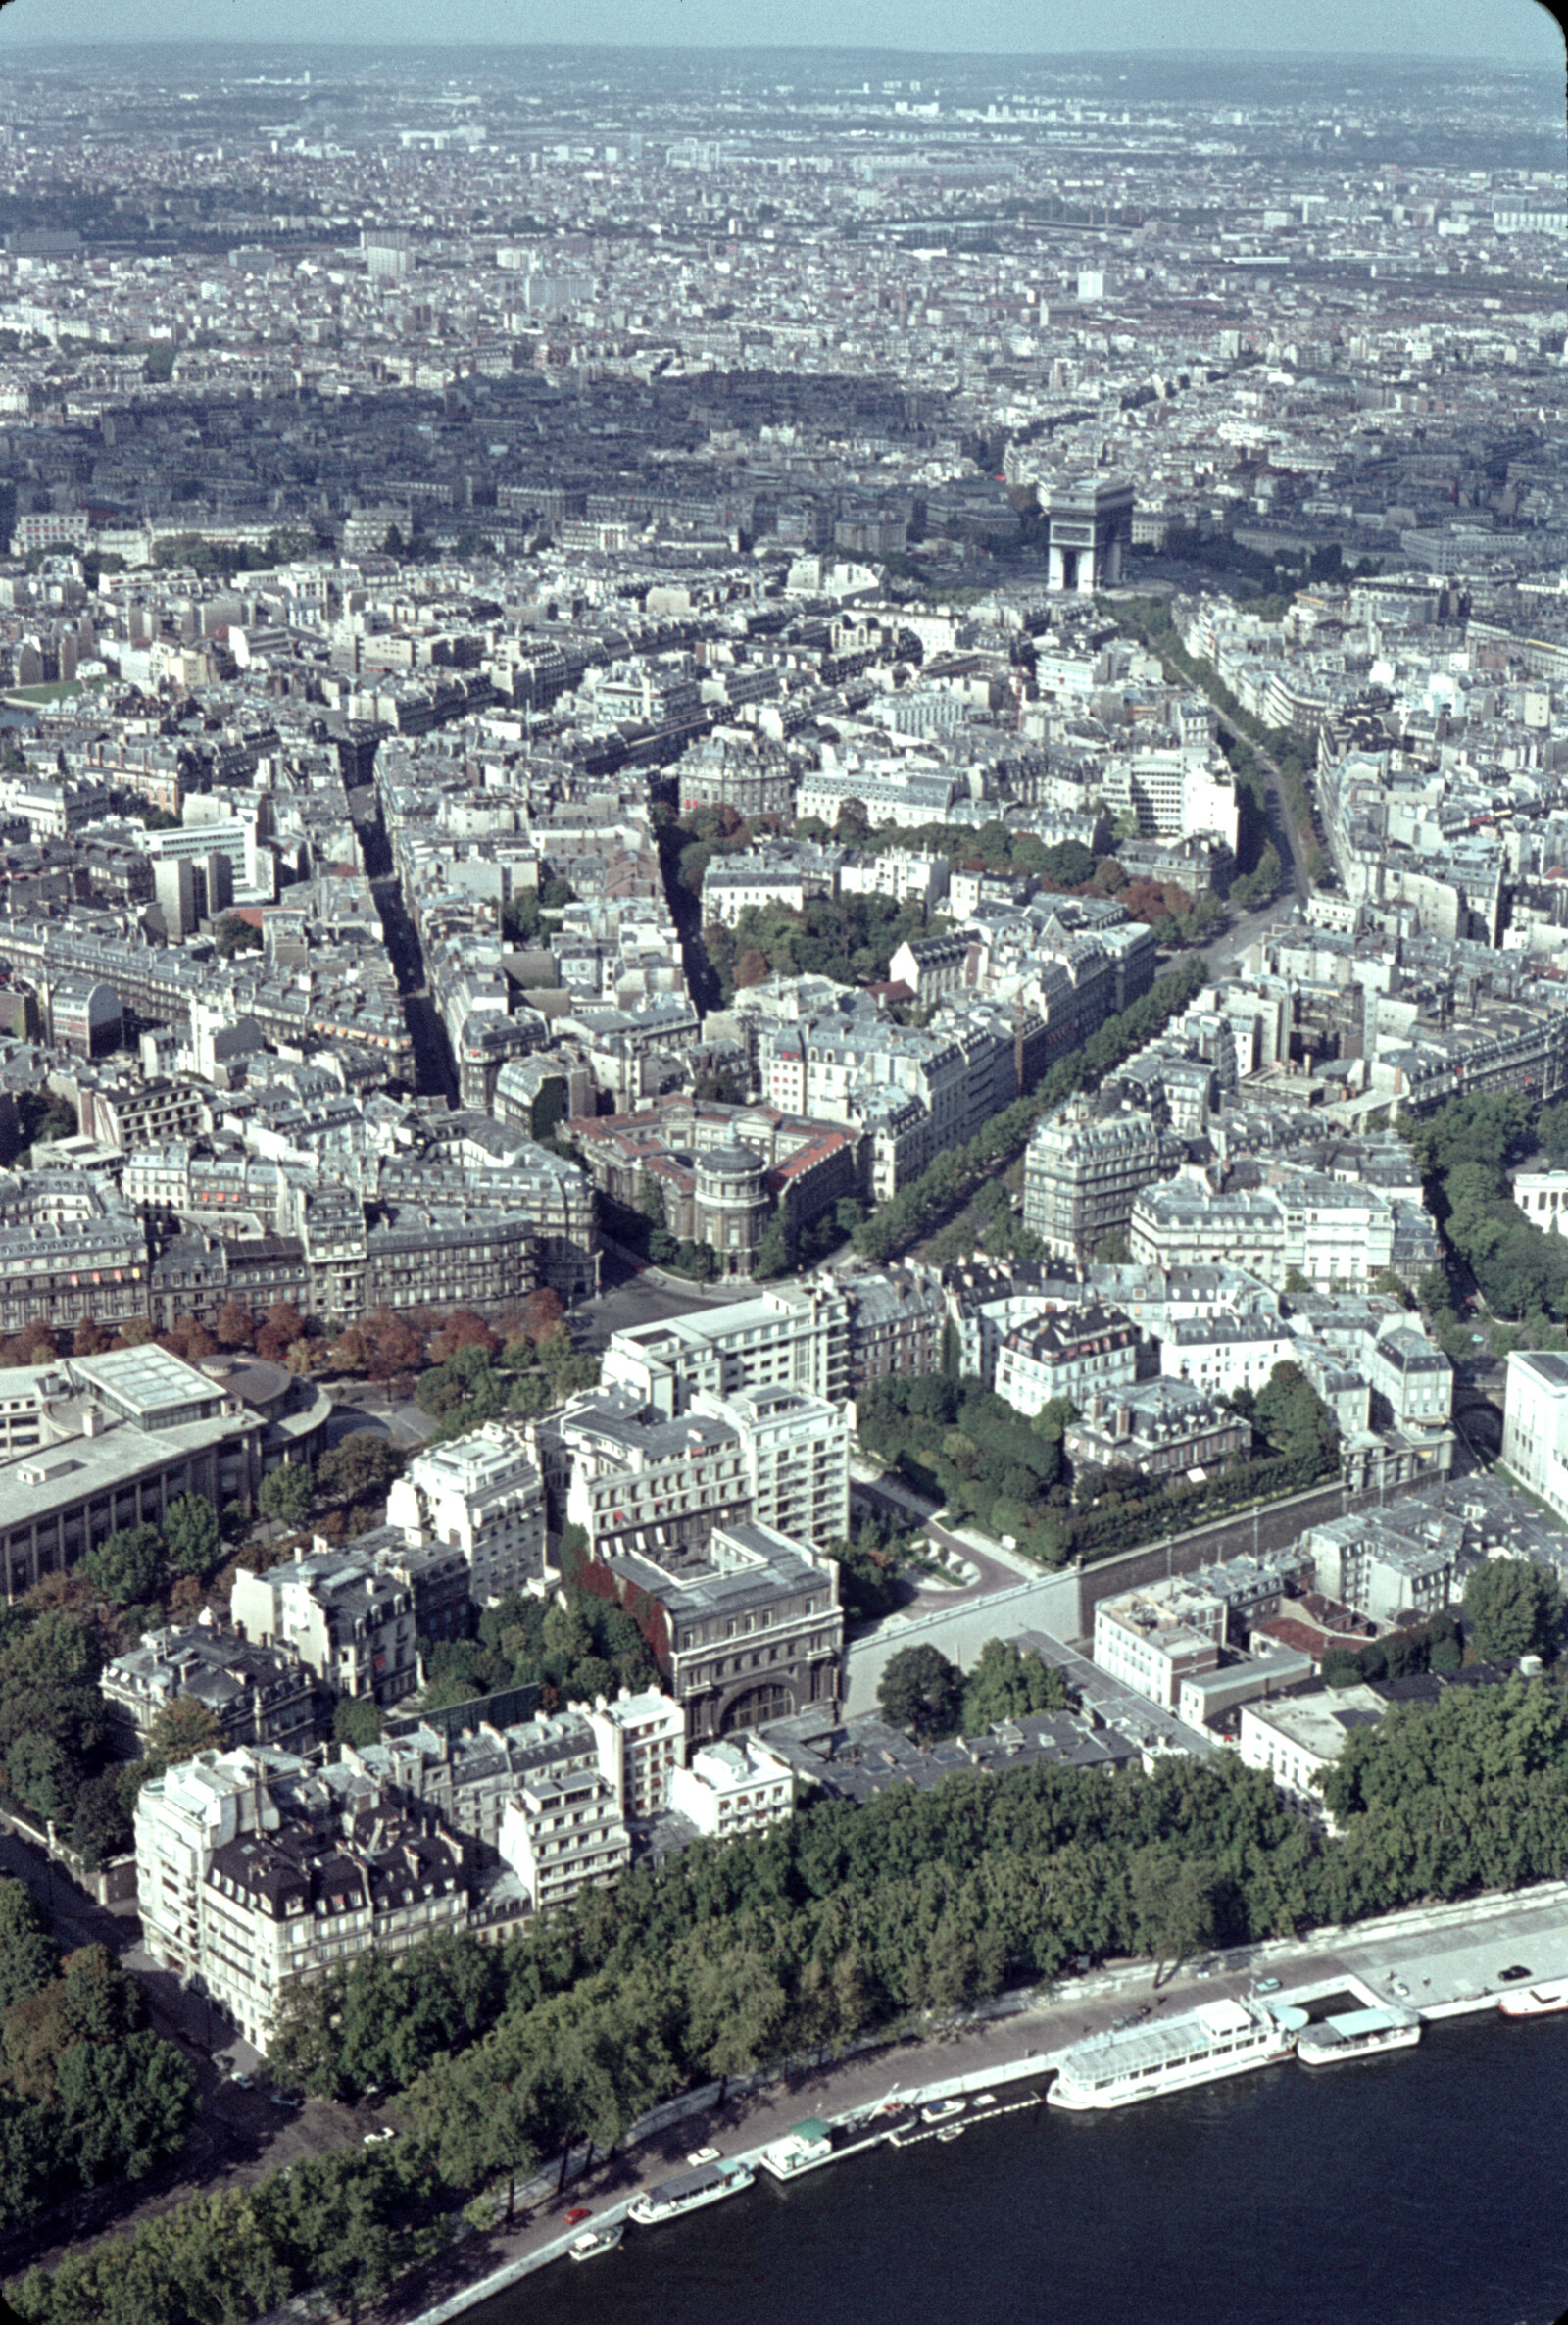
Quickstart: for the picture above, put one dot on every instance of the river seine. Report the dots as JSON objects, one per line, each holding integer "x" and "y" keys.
{"x": 1423, "y": 2188}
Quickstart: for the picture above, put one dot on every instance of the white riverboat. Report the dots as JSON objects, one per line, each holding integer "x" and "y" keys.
{"x": 1357, "y": 2034}
{"x": 1204, "y": 2045}
{"x": 688, "y": 2191}
{"x": 1535, "y": 2001}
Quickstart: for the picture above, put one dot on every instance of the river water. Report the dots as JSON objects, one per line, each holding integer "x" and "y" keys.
{"x": 1426, "y": 2188}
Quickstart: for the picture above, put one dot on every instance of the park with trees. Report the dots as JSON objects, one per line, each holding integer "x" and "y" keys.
{"x": 960, "y": 1444}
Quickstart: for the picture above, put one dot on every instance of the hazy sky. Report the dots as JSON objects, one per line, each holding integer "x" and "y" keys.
{"x": 1518, "y": 31}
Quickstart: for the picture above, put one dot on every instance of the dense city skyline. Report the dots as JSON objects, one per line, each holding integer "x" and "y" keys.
{"x": 783, "y": 1127}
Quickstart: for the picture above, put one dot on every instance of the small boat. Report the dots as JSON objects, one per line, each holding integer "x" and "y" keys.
{"x": 941, "y": 2108}
{"x": 1357, "y": 2034}
{"x": 596, "y": 2240}
{"x": 1536, "y": 2001}
{"x": 952, "y": 2131}
{"x": 984, "y": 2098}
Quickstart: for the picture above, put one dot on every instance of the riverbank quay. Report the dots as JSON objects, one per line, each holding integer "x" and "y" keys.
{"x": 1441, "y": 1961}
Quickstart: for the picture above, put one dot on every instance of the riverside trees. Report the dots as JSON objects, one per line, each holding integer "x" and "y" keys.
{"x": 847, "y": 1919}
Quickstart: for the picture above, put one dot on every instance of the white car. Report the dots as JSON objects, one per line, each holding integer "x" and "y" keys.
{"x": 373, "y": 2139}
{"x": 701, "y": 2155}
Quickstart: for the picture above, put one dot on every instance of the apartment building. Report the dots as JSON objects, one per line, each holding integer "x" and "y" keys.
{"x": 1160, "y": 1430}
{"x": 1080, "y": 1177}
{"x": 642, "y": 1482}
{"x": 253, "y": 1874}
{"x": 257, "y": 1694}
{"x": 483, "y": 1495}
{"x": 1222, "y": 1353}
{"x": 352, "y": 1622}
{"x": 560, "y": 1830}
{"x": 795, "y": 1450}
{"x": 1157, "y": 1638}
{"x": 1306, "y": 1224}
{"x": 1077, "y": 1353}
{"x": 736, "y": 1786}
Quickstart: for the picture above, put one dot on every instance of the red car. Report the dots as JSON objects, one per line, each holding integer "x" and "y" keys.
{"x": 578, "y": 2211}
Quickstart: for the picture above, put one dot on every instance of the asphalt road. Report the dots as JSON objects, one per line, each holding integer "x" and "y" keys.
{"x": 631, "y": 1299}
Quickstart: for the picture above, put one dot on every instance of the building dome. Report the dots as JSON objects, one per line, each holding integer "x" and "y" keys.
{"x": 732, "y": 1166}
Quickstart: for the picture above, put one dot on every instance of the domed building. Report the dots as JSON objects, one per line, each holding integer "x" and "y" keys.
{"x": 730, "y": 1203}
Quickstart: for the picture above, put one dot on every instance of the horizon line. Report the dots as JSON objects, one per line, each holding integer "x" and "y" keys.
{"x": 379, "y": 43}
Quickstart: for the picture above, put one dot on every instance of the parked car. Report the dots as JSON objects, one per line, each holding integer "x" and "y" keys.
{"x": 578, "y": 2211}
{"x": 243, "y": 2082}
{"x": 701, "y": 2155}
{"x": 1268, "y": 1986}
{"x": 286, "y": 2099}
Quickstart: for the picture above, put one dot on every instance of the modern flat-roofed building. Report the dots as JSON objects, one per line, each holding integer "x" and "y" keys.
{"x": 1156, "y": 1638}
{"x": 790, "y": 1335}
{"x": 1294, "y": 1740}
{"x": 119, "y": 1438}
{"x": 563, "y": 1829}
{"x": 641, "y": 1743}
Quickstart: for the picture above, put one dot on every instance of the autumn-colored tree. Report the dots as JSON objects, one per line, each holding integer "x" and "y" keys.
{"x": 301, "y": 1355}
{"x": 350, "y": 1352}
{"x": 199, "y": 1343}
{"x": 135, "y": 1332}
{"x": 34, "y": 1344}
{"x": 90, "y": 1338}
{"x": 395, "y": 1346}
{"x": 281, "y": 1327}
{"x": 751, "y": 968}
{"x": 542, "y": 1311}
{"x": 235, "y": 1324}
{"x": 463, "y": 1329}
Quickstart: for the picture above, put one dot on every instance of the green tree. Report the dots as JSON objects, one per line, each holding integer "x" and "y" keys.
{"x": 1512, "y": 1607}
{"x": 129, "y": 1567}
{"x": 180, "y": 1729}
{"x": 921, "y": 1690}
{"x": 123, "y": 2106}
{"x": 29, "y": 1957}
{"x": 1173, "y": 1901}
{"x": 773, "y": 1255}
{"x": 357, "y": 1720}
{"x": 287, "y": 1494}
{"x": 191, "y": 1531}
{"x": 1293, "y": 1418}
{"x": 361, "y": 1465}
{"x": 1007, "y": 1684}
